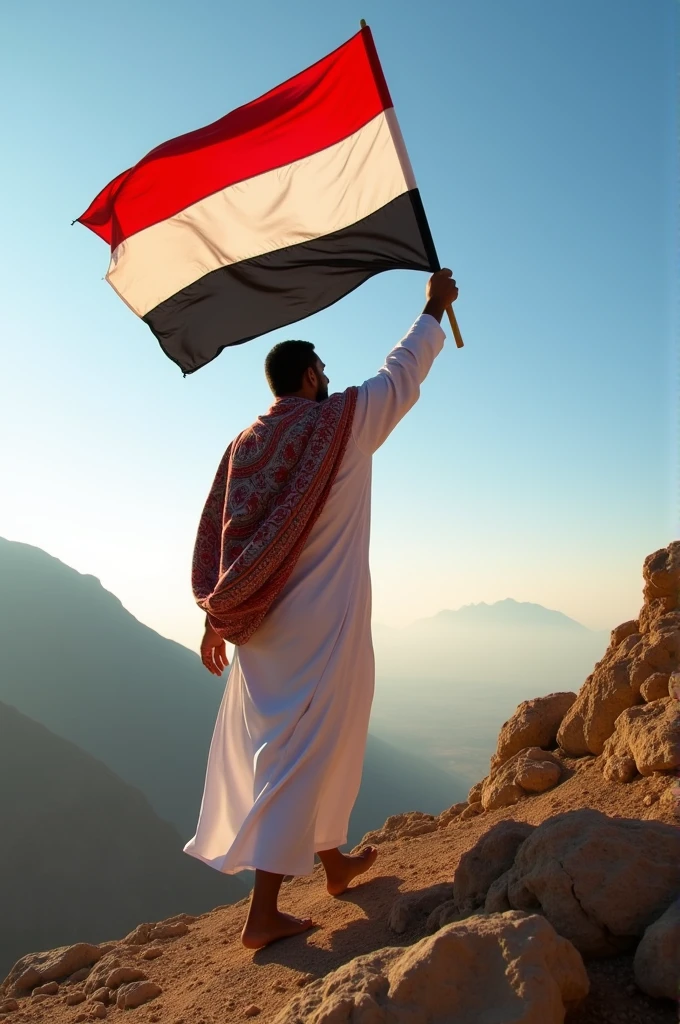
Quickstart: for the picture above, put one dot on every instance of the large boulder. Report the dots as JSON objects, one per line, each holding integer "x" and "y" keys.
{"x": 533, "y": 724}
{"x": 574, "y": 867}
{"x": 607, "y": 692}
{"x": 649, "y": 734}
{"x": 657, "y": 958}
{"x": 529, "y": 771}
{"x": 493, "y": 854}
{"x": 504, "y": 967}
{"x": 630, "y": 660}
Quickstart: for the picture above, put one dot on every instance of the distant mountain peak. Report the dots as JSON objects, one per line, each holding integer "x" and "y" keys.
{"x": 507, "y": 611}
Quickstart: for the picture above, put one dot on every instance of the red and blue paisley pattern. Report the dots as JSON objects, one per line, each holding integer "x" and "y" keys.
{"x": 270, "y": 488}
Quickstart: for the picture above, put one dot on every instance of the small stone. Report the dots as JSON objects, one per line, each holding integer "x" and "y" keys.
{"x": 50, "y": 989}
{"x": 8, "y": 1005}
{"x": 40, "y": 997}
{"x": 73, "y": 998}
{"x": 251, "y": 1011}
{"x": 279, "y": 986}
{"x": 304, "y": 980}
{"x": 472, "y": 810}
{"x": 124, "y": 974}
{"x": 650, "y": 799}
{"x": 475, "y": 793}
{"x": 152, "y": 953}
{"x": 102, "y": 995}
{"x": 98, "y": 1010}
{"x": 81, "y": 1016}
{"x": 619, "y": 768}
{"x": 136, "y": 993}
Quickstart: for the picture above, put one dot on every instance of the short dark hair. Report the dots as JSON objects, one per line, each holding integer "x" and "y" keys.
{"x": 286, "y": 364}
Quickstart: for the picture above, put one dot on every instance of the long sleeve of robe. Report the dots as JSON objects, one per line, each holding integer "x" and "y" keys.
{"x": 286, "y": 757}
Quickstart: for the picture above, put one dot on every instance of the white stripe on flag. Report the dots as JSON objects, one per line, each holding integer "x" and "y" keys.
{"x": 322, "y": 193}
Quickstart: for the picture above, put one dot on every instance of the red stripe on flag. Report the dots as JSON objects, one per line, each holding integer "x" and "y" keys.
{"x": 329, "y": 101}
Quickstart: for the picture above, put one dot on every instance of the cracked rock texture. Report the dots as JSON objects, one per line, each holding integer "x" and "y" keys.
{"x": 650, "y": 735}
{"x": 506, "y": 967}
{"x": 574, "y": 868}
{"x": 531, "y": 770}
{"x": 490, "y": 857}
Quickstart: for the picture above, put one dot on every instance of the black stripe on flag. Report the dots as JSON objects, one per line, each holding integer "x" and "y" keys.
{"x": 234, "y": 304}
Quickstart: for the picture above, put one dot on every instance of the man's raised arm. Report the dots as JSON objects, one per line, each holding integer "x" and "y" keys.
{"x": 384, "y": 399}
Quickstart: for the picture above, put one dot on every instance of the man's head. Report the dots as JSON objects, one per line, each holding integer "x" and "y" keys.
{"x": 294, "y": 368}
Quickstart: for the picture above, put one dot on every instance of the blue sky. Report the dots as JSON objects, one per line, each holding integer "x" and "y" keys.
{"x": 540, "y": 462}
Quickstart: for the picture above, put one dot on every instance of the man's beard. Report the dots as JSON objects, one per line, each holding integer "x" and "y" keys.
{"x": 322, "y": 393}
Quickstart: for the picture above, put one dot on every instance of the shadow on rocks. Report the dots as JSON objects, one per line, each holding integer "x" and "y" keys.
{"x": 375, "y": 896}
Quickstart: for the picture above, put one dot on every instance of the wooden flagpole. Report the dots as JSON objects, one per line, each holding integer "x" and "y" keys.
{"x": 449, "y": 309}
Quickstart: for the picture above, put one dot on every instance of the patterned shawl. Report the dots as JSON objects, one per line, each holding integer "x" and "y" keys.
{"x": 270, "y": 488}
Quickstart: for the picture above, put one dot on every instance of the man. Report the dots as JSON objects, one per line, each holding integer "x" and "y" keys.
{"x": 281, "y": 569}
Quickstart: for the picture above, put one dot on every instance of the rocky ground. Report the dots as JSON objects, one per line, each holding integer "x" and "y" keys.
{"x": 551, "y": 894}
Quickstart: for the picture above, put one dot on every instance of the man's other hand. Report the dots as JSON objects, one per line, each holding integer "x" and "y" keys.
{"x": 213, "y": 651}
{"x": 441, "y": 290}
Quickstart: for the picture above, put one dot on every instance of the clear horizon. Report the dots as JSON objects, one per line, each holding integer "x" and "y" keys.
{"x": 540, "y": 462}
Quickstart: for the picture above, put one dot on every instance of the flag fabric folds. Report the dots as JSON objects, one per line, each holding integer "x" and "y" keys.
{"x": 268, "y": 215}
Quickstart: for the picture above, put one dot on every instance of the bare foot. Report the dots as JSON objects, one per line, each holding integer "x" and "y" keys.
{"x": 339, "y": 877}
{"x": 259, "y": 933}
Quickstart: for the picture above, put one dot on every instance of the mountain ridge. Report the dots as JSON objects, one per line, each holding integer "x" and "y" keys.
{"x": 585, "y": 779}
{"x": 507, "y": 610}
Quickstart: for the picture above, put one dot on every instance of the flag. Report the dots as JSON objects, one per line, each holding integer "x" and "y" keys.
{"x": 272, "y": 213}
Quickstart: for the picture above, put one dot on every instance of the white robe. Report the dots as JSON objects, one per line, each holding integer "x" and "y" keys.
{"x": 286, "y": 756}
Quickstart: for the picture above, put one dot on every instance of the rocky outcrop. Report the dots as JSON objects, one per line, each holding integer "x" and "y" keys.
{"x": 574, "y": 867}
{"x": 657, "y": 959}
{"x": 533, "y": 724}
{"x": 650, "y": 735}
{"x": 490, "y": 857}
{"x": 171, "y": 928}
{"x": 529, "y": 771}
{"x": 522, "y": 970}
{"x": 402, "y": 826}
{"x": 637, "y": 651}
{"x": 37, "y": 968}
{"x": 661, "y": 573}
